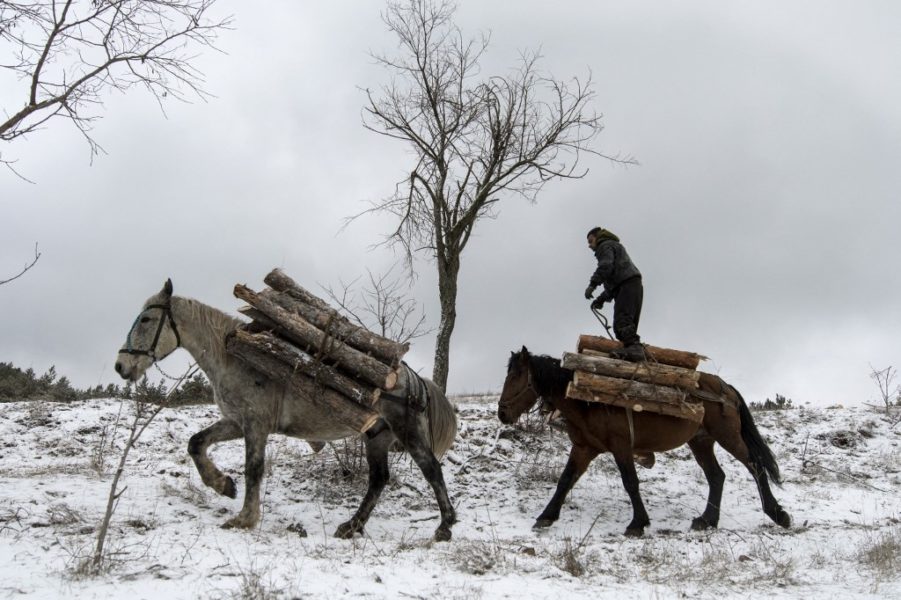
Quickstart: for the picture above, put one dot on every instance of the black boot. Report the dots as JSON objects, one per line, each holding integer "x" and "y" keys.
{"x": 633, "y": 353}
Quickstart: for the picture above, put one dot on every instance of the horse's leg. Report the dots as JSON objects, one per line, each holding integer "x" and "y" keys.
{"x": 413, "y": 438}
{"x": 737, "y": 448}
{"x": 579, "y": 458}
{"x": 626, "y": 463}
{"x": 221, "y": 431}
{"x": 702, "y": 447}
{"x": 255, "y": 436}
{"x": 377, "y": 456}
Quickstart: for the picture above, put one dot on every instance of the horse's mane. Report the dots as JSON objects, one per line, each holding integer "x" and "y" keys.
{"x": 547, "y": 374}
{"x": 211, "y": 322}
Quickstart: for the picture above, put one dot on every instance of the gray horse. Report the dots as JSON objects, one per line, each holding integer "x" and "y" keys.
{"x": 253, "y": 407}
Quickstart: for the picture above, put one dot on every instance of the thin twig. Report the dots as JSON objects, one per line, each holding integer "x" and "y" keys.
{"x": 27, "y": 267}
{"x": 135, "y": 432}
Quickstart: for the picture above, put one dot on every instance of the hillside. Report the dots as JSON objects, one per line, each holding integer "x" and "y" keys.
{"x": 842, "y": 471}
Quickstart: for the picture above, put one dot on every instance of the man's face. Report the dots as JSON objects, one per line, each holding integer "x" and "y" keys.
{"x": 592, "y": 241}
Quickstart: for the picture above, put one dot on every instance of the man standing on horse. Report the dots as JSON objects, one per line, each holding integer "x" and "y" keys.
{"x": 622, "y": 285}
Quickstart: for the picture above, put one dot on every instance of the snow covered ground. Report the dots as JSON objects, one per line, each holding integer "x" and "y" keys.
{"x": 842, "y": 471}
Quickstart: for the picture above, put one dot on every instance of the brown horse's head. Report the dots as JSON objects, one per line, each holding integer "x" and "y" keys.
{"x": 519, "y": 394}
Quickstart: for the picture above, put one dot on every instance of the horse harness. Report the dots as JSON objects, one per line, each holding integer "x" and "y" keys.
{"x": 151, "y": 352}
{"x": 417, "y": 398}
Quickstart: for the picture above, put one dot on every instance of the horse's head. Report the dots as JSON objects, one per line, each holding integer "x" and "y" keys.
{"x": 152, "y": 337}
{"x": 519, "y": 394}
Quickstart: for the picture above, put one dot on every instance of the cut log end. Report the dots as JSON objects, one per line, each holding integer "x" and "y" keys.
{"x": 390, "y": 381}
{"x": 368, "y": 423}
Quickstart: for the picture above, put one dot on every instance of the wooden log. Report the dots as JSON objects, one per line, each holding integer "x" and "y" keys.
{"x": 355, "y": 336}
{"x": 328, "y": 319}
{"x": 655, "y": 373}
{"x": 258, "y": 319}
{"x": 666, "y": 356}
{"x": 636, "y": 390}
{"x": 693, "y": 411}
{"x": 299, "y": 331}
{"x": 298, "y": 360}
{"x": 342, "y": 408}
{"x": 278, "y": 280}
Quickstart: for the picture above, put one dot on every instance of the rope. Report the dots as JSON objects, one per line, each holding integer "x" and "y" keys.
{"x": 603, "y": 320}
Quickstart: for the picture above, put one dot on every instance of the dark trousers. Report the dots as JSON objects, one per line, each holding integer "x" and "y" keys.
{"x": 627, "y": 311}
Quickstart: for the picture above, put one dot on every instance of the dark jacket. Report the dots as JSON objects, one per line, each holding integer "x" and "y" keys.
{"x": 614, "y": 264}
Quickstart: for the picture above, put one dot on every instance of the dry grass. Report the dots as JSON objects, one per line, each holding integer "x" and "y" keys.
{"x": 187, "y": 491}
{"x": 476, "y": 557}
{"x": 570, "y": 559}
{"x": 881, "y": 553}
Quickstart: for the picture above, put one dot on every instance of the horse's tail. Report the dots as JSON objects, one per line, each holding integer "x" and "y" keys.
{"x": 442, "y": 420}
{"x": 760, "y": 453}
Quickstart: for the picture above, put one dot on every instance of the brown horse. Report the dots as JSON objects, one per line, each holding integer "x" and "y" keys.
{"x": 594, "y": 428}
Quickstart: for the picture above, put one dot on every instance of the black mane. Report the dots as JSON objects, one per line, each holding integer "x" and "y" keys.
{"x": 549, "y": 378}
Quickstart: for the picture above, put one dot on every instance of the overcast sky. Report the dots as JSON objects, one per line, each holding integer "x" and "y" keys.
{"x": 764, "y": 213}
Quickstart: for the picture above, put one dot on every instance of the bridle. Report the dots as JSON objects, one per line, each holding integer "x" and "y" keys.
{"x": 529, "y": 387}
{"x": 151, "y": 352}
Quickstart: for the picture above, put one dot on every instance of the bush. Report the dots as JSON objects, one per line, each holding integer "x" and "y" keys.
{"x": 18, "y": 385}
{"x": 781, "y": 403}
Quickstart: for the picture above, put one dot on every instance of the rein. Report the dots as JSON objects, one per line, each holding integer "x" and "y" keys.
{"x": 151, "y": 352}
{"x": 603, "y": 320}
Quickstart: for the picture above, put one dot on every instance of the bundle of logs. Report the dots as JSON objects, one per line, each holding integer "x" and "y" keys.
{"x": 296, "y": 338}
{"x": 662, "y": 384}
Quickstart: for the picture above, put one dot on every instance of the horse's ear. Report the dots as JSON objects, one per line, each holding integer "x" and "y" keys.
{"x": 167, "y": 287}
{"x": 524, "y": 350}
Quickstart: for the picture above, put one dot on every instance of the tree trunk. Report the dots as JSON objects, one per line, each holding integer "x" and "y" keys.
{"x": 658, "y": 374}
{"x": 693, "y": 411}
{"x": 299, "y": 331}
{"x": 278, "y": 280}
{"x": 448, "y": 270}
{"x": 634, "y": 390}
{"x": 666, "y": 356}
{"x": 385, "y": 350}
{"x": 300, "y": 361}
{"x": 342, "y": 408}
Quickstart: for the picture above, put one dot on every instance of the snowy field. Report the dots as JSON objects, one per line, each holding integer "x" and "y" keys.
{"x": 841, "y": 466}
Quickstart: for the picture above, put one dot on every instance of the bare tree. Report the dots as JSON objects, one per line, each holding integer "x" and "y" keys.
{"x": 475, "y": 141}
{"x": 26, "y": 268}
{"x": 67, "y": 55}
{"x": 889, "y": 392}
{"x": 382, "y": 306}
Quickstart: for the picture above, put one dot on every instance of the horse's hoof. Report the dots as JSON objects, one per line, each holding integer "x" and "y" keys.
{"x": 783, "y": 519}
{"x": 635, "y": 532}
{"x": 542, "y": 523}
{"x": 347, "y": 530}
{"x": 700, "y": 524}
{"x": 229, "y": 489}
{"x": 443, "y": 534}
{"x": 238, "y": 523}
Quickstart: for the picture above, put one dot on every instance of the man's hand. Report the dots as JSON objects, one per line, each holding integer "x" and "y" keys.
{"x": 589, "y": 291}
{"x": 598, "y": 303}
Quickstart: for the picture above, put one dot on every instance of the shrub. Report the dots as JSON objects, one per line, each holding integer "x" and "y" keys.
{"x": 780, "y": 403}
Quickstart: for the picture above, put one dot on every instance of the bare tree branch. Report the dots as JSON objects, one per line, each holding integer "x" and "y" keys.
{"x": 70, "y": 55}
{"x": 381, "y": 306}
{"x": 26, "y": 268}
{"x": 477, "y": 140}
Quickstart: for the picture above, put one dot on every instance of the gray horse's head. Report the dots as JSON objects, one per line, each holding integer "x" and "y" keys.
{"x": 152, "y": 337}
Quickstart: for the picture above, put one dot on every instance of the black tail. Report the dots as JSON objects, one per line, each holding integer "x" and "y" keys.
{"x": 761, "y": 455}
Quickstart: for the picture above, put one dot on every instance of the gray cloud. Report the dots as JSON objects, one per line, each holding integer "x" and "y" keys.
{"x": 763, "y": 214}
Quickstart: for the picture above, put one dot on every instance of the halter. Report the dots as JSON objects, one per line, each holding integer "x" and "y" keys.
{"x": 151, "y": 352}
{"x": 529, "y": 388}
